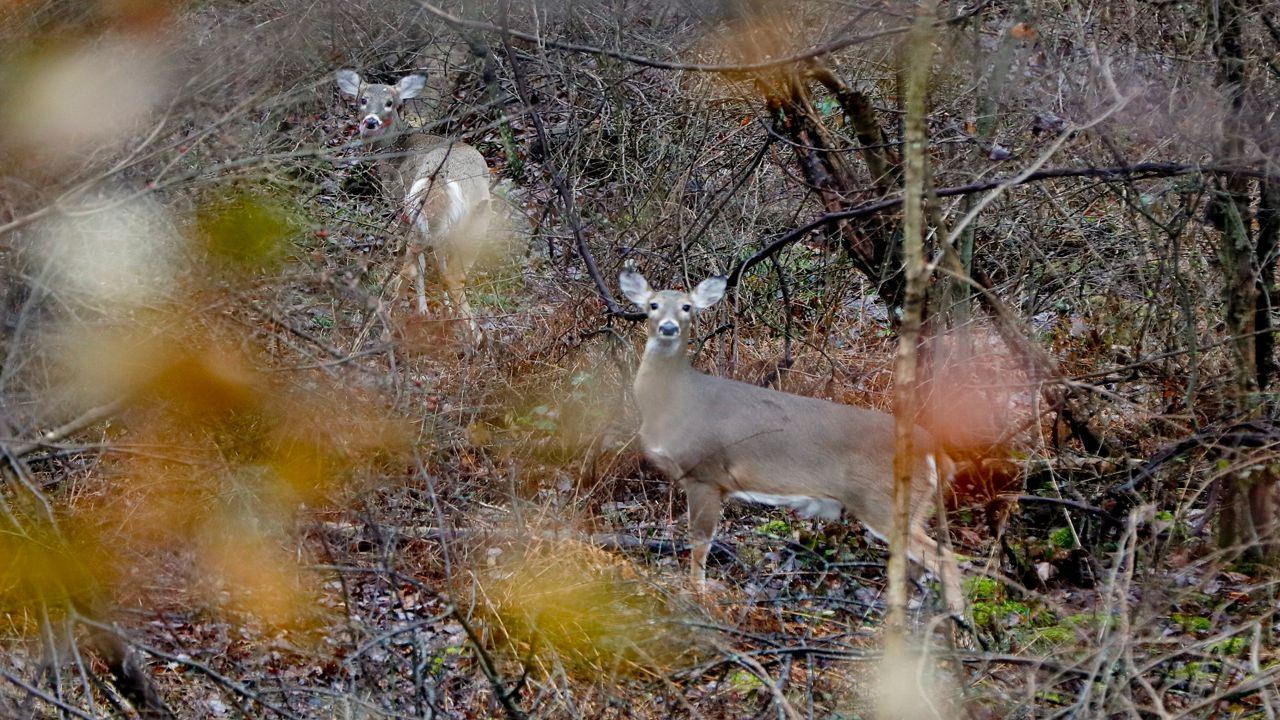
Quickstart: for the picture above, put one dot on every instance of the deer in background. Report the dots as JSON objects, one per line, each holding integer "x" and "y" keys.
{"x": 441, "y": 188}
{"x": 724, "y": 439}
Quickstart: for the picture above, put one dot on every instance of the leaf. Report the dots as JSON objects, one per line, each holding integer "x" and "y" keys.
{"x": 1023, "y": 31}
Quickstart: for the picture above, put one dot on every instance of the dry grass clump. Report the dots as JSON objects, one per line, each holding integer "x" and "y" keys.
{"x": 564, "y": 604}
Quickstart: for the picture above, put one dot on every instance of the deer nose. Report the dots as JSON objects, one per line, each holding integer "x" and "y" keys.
{"x": 371, "y": 123}
{"x": 669, "y": 329}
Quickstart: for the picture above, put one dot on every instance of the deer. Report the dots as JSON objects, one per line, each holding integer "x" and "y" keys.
{"x": 722, "y": 439}
{"x": 441, "y": 189}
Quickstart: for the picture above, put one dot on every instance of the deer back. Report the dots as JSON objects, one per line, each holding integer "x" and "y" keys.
{"x": 756, "y": 442}
{"x": 446, "y": 185}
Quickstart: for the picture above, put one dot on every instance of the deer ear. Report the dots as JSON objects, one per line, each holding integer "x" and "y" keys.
{"x": 635, "y": 287}
{"x": 410, "y": 86}
{"x": 349, "y": 82}
{"x": 708, "y": 292}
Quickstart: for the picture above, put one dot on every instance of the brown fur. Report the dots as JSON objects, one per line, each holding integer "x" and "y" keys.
{"x": 718, "y": 437}
{"x": 453, "y": 224}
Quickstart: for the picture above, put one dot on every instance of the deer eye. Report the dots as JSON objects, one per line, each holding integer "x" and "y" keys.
{"x": 653, "y": 306}
{"x": 685, "y": 307}
{"x": 364, "y": 102}
{"x": 388, "y": 104}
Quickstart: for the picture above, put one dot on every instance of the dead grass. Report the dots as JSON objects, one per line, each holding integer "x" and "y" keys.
{"x": 320, "y": 501}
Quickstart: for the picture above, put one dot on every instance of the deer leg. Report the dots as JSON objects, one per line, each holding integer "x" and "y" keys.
{"x": 942, "y": 563}
{"x": 936, "y": 556}
{"x": 454, "y": 278}
{"x": 420, "y": 281}
{"x": 704, "y": 514}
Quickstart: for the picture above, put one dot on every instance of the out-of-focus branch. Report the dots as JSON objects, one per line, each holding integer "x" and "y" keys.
{"x": 734, "y": 68}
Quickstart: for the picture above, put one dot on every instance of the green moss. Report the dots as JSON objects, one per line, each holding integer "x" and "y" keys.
{"x": 744, "y": 681}
{"x": 1062, "y": 538}
{"x": 985, "y": 614}
{"x": 980, "y": 588}
{"x": 1192, "y": 623}
{"x": 1048, "y": 697}
{"x": 775, "y": 528}
{"x": 1048, "y": 638}
{"x": 1228, "y": 646}
{"x": 1199, "y": 675}
{"x": 1082, "y": 621}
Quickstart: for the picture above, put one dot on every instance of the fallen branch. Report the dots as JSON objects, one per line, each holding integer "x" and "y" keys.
{"x": 87, "y": 419}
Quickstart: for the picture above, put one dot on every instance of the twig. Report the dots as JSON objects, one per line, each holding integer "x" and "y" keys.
{"x": 42, "y": 695}
{"x": 104, "y": 629}
{"x": 330, "y": 350}
{"x": 490, "y": 672}
{"x": 540, "y": 41}
{"x": 87, "y": 419}
{"x": 1141, "y": 171}
{"x": 1063, "y": 502}
{"x": 755, "y": 668}
{"x": 1030, "y": 170}
{"x": 561, "y": 184}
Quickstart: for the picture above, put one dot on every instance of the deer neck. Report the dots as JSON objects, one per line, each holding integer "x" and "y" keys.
{"x": 413, "y": 140}
{"x": 662, "y": 379}
{"x": 392, "y": 156}
{"x": 401, "y": 138}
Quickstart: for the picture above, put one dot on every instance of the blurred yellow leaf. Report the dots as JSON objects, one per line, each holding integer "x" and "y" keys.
{"x": 246, "y": 231}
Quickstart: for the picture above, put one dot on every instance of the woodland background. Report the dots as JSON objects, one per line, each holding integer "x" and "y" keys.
{"x": 241, "y": 478}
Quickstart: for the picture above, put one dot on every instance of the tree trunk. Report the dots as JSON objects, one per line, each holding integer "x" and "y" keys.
{"x": 1245, "y": 519}
{"x": 917, "y": 55}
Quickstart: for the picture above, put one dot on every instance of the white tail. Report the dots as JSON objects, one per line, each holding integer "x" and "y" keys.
{"x": 723, "y": 439}
{"x": 441, "y": 186}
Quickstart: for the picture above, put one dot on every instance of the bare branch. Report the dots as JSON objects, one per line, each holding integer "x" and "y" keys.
{"x": 561, "y": 184}
{"x": 1141, "y": 171}
{"x": 810, "y": 54}
{"x": 87, "y": 419}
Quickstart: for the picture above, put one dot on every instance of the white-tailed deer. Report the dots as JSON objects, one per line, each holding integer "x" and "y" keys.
{"x": 441, "y": 187}
{"x": 723, "y": 439}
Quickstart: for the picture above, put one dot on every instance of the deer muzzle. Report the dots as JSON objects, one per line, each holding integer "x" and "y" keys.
{"x": 372, "y": 126}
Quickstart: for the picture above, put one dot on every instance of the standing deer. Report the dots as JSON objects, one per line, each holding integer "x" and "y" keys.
{"x": 723, "y": 439}
{"x": 441, "y": 187}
